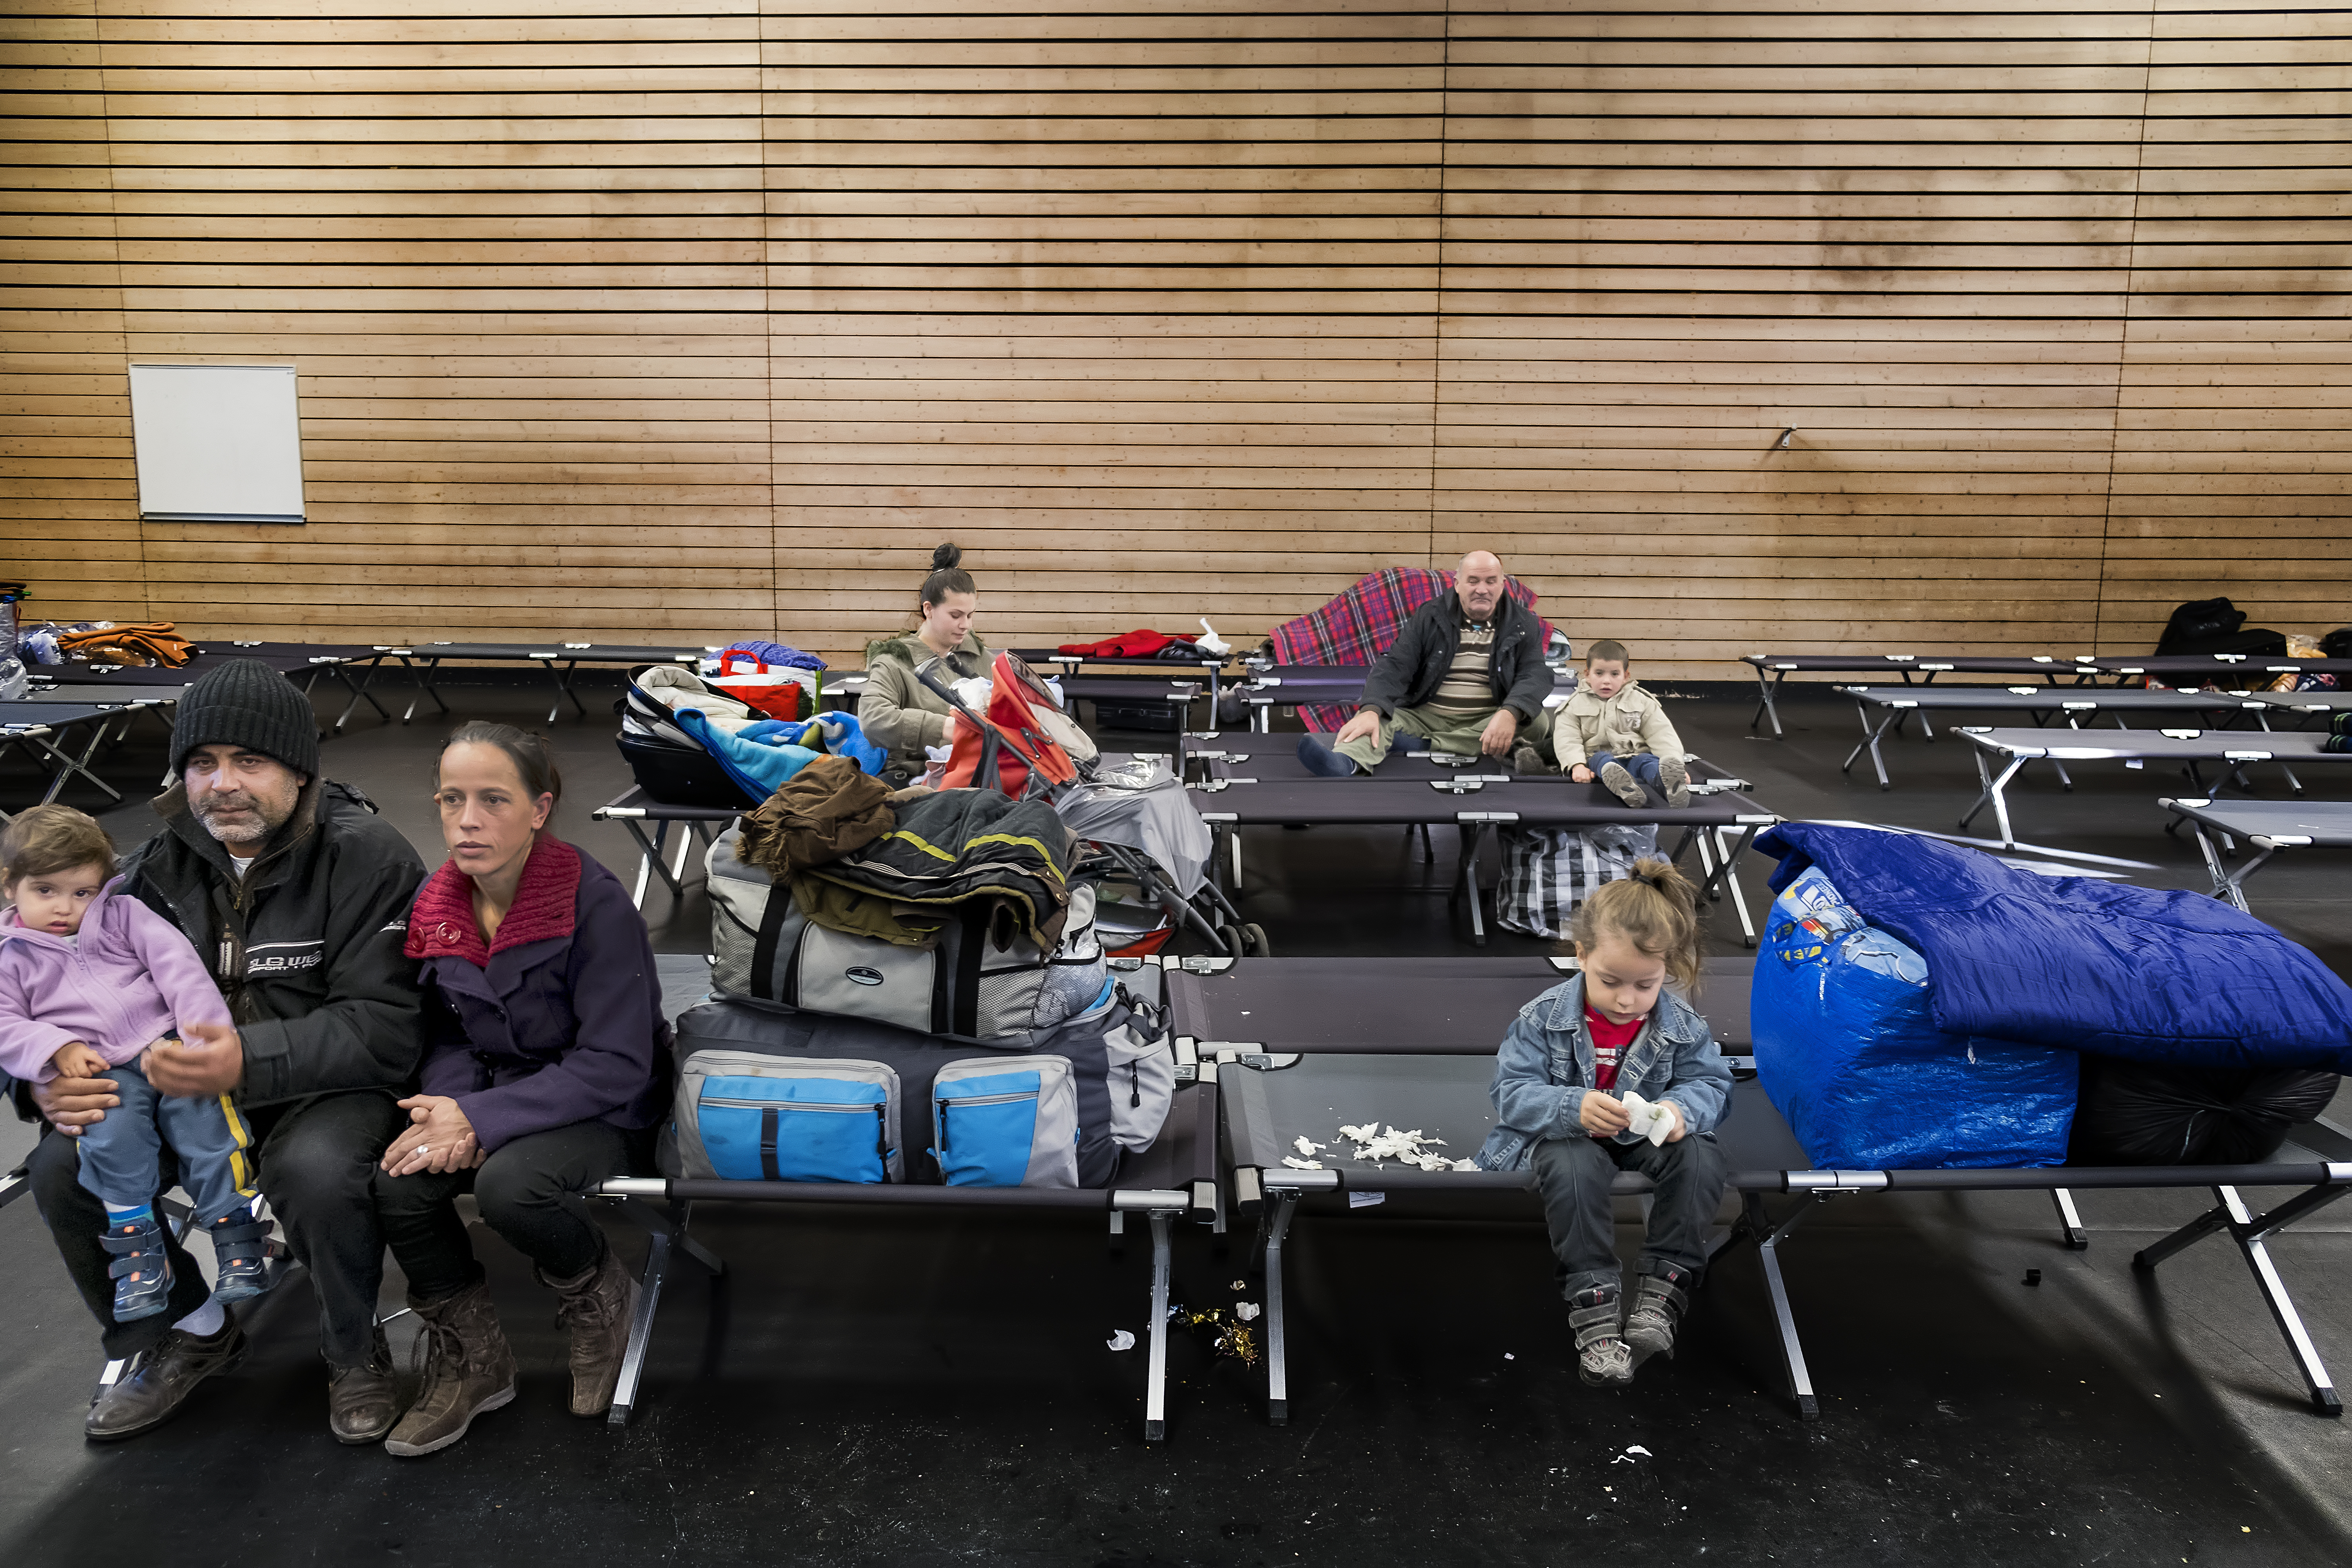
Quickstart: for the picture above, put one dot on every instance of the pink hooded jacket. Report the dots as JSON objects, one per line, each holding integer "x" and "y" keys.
{"x": 128, "y": 978}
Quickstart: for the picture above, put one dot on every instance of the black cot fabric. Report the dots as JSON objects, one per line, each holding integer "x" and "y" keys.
{"x": 1403, "y": 1005}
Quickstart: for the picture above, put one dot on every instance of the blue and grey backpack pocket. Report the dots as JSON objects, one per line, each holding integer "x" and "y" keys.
{"x": 748, "y": 1117}
{"x": 1005, "y": 1122}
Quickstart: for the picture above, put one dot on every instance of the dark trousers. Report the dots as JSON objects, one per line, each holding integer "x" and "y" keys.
{"x": 1573, "y": 1175}
{"x": 529, "y": 1192}
{"x": 316, "y": 1157}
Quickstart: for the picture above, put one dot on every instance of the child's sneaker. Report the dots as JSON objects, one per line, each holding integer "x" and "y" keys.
{"x": 1658, "y": 1303}
{"x": 1601, "y": 1358}
{"x": 1624, "y": 786}
{"x": 1675, "y": 779}
{"x": 142, "y": 1273}
{"x": 241, "y": 1253}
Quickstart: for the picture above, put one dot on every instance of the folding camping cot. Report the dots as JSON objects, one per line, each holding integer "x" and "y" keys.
{"x": 1176, "y": 1176}
{"x": 633, "y": 808}
{"x": 2041, "y": 703}
{"x": 1067, "y": 665}
{"x": 559, "y": 659}
{"x": 1269, "y": 686}
{"x": 1175, "y": 695}
{"x": 1254, "y": 780}
{"x": 301, "y": 662}
{"x": 2313, "y": 707}
{"x": 1771, "y": 668}
{"x": 1272, "y": 685}
{"x": 44, "y": 732}
{"x": 2270, "y": 825}
{"x": 1306, "y": 1081}
{"x": 2232, "y": 748}
{"x": 2221, "y": 669}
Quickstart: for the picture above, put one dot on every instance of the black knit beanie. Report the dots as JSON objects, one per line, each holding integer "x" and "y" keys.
{"x": 247, "y": 703}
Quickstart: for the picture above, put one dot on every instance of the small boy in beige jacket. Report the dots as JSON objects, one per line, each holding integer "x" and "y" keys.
{"x": 1613, "y": 729}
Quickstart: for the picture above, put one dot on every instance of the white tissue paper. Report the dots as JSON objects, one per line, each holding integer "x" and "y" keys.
{"x": 975, "y": 691}
{"x": 1248, "y": 1311}
{"x": 1121, "y": 1340}
{"x": 1295, "y": 1163}
{"x": 1405, "y": 1148}
{"x": 1652, "y": 1121}
{"x": 1210, "y": 640}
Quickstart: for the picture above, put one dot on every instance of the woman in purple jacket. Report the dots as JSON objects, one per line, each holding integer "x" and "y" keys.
{"x": 546, "y": 1069}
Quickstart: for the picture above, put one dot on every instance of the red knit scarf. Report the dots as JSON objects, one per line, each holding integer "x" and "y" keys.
{"x": 442, "y": 925}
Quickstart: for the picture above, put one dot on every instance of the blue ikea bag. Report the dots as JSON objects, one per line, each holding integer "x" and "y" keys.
{"x": 1848, "y": 1048}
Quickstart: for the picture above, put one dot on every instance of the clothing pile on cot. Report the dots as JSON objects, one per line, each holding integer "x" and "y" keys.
{"x": 912, "y": 988}
{"x": 1917, "y": 1006}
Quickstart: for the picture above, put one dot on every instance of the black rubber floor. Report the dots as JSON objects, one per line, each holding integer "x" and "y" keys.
{"x": 905, "y": 1391}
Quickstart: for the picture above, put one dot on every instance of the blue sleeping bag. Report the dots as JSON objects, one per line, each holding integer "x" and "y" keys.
{"x": 761, "y": 758}
{"x": 1849, "y": 1050}
{"x": 2172, "y": 978}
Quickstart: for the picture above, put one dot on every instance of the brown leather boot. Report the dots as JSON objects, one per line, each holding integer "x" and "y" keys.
{"x": 469, "y": 1369}
{"x": 363, "y": 1401}
{"x": 598, "y": 1307}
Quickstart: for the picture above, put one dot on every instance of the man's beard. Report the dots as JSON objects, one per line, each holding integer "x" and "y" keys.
{"x": 214, "y": 806}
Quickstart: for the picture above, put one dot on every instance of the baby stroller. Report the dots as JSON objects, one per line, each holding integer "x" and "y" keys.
{"x": 1141, "y": 829}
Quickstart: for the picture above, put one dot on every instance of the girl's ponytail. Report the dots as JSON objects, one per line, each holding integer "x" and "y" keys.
{"x": 1655, "y": 908}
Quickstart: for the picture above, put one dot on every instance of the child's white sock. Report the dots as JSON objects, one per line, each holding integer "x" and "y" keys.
{"x": 205, "y": 1321}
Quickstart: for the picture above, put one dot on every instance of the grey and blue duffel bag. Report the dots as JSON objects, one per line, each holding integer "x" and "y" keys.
{"x": 768, "y": 1094}
{"x": 764, "y": 950}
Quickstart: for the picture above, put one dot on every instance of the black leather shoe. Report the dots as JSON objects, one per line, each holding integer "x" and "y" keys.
{"x": 363, "y": 1401}
{"x": 153, "y": 1392}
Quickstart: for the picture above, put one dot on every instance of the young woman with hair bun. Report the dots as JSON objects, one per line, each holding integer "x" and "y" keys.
{"x": 900, "y": 713}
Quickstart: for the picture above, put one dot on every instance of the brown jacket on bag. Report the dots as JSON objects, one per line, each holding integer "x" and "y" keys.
{"x": 141, "y": 643}
{"x": 822, "y": 813}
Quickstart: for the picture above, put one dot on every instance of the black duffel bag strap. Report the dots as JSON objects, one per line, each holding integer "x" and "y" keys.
{"x": 772, "y": 915}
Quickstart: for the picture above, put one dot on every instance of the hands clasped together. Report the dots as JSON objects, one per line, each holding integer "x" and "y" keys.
{"x": 438, "y": 1139}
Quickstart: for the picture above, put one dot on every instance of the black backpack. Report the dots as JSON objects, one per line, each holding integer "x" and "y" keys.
{"x": 2214, "y": 626}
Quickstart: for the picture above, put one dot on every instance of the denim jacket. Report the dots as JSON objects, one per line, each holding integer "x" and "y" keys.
{"x": 1544, "y": 1066}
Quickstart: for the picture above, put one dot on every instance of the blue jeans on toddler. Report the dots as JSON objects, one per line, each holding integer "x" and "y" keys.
{"x": 120, "y": 1156}
{"x": 1642, "y": 765}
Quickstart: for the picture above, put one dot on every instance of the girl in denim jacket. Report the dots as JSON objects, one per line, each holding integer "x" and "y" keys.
{"x": 1565, "y": 1082}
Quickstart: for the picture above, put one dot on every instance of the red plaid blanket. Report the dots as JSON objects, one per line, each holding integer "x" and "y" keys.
{"x": 1357, "y": 626}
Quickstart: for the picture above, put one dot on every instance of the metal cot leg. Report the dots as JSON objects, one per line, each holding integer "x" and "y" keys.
{"x": 1730, "y": 875}
{"x": 2070, "y": 1221}
{"x": 1792, "y": 1350}
{"x": 66, "y": 766}
{"x": 358, "y": 689}
{"x": 2252, "y": 1235}
{"x": 428, "y": 671}
{"x": 641, "y": 1329}
{"x": 1155, "y": 1388}
{"x": 1993, "y": 788}
{"x": 1871, "y": 737}
{"x": 1277, "y": 1364}
{"x": 1766, "y": 688}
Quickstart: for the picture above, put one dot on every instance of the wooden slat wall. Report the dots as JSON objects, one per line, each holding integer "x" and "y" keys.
{"x": 621, "y": 323}
{"x": 2233, "y": 466}
{"x": 1135, "y": 302}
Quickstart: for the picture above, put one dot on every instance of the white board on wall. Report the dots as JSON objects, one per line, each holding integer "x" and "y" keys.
{"x": 217, "y": 443}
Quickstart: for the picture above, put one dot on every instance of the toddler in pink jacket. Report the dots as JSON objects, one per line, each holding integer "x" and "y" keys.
{"x": 90, "y": 978}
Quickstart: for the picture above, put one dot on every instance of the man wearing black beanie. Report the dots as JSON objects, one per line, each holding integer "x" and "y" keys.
{"x": 297, "y": 894}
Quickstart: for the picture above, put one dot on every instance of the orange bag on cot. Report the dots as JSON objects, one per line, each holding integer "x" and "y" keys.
{"x": 1023, "y": 745}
